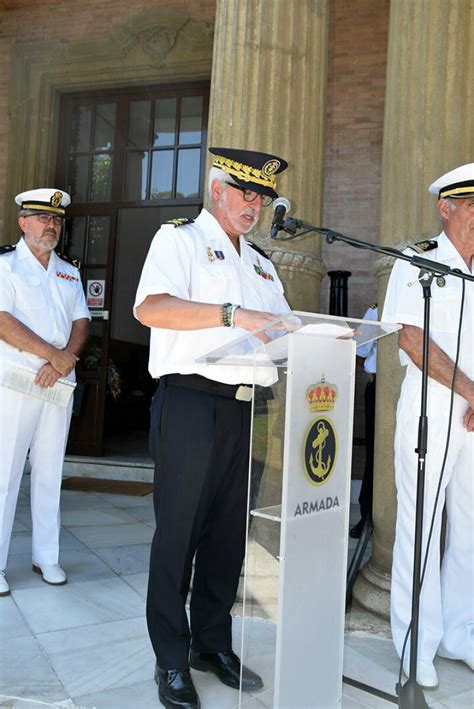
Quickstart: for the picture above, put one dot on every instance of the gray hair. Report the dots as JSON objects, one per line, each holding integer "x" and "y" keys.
{"x": 215, "y": 173}
{"x": 452, "y": 206}
{"x": 452, "y": 202}
{"x": 27, "y": 212}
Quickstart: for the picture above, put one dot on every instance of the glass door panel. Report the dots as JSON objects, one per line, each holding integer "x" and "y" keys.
{"x": 101, "y": 183}
{"x": 162, "y": 175}
{"x": 189, "y": 162}
{"x": 129, "y": 340}
{"x": 98, "y": 240}
{"x": 81, "y": 128}
{"x": 131, "y": 160}
{"x": 139, "y": 124}
{"x": 77, "y": 177}
{"x": 190, "y": 129}
{"x": 165, "y": 122}
{"x": 105, "y": 126}
{"x": 87, "y": 239}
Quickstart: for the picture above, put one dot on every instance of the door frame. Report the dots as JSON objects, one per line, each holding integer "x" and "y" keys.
{"x": 86, "y": 437}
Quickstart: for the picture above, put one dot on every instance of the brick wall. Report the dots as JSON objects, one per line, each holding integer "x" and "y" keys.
{"x": 354, "y": 132}
{"x": 31, "y": 20}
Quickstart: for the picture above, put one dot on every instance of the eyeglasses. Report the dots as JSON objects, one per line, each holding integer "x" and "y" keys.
{"x": 250, "y": 196}
{"x": 47, "y": 218}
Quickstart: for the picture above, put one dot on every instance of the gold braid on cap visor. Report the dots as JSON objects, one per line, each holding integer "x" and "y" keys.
{"x": 467, "y": 190}
{"x": 43, "y": 208}
{"x": 244, "y": 172}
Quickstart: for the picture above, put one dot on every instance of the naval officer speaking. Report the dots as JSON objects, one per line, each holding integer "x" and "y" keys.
{"x": 202, "y": 279}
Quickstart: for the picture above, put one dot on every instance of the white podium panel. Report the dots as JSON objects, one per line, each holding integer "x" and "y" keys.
{"x": 314, "y": 522}
{"x": 299, "y": 499}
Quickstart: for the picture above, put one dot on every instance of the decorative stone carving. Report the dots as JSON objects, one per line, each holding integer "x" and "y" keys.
{"x": 157, "y": 42}
{"x": 297, "y": 260}
{"x": 159, "y": 34}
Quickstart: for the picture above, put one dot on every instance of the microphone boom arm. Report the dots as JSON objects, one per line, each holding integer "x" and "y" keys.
{"x": 296, "y": 228}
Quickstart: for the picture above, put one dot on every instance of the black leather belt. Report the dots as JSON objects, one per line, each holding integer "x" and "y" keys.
{"x": 241, "y": 392}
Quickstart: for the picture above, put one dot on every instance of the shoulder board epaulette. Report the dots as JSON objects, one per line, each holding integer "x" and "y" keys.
{"x": 258, "y": 249}
{"x": 373, "y": 306}
{"x": 73, "y": 261}
{"x": 180, "y": 221}
{"x": 422, "y": 247}
{"x": 6, "y": 249}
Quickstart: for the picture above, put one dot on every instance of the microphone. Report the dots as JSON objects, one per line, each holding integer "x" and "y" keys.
{"x": 281, "y": 206}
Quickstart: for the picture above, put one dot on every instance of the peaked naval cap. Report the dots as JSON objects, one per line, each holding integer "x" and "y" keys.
{"x": 250, "y": 169}
{"x": 45, "y": 199}
{"x": 457, "y": 184}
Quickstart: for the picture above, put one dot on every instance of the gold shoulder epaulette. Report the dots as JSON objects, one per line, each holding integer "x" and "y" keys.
{"x": 73, "y": 261}
{"x": 422, "y": 247}
{"x": 180, "y": 221}
{"x": 6, "y": 249}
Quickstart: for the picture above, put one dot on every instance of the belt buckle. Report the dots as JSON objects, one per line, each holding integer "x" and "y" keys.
{"x": 244, "y": 393}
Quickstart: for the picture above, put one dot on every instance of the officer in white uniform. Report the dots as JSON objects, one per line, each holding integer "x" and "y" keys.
{"x": 202, "y": 286}
{"x": 368, "y": 352}
{"x": 446, "y": 623}
{"x": 44, "y": 323}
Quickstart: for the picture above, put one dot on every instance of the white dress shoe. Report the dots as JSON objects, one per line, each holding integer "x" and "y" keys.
{"x": 51, "y": 573}
{"x": 4, "y": 587}
{"x": 469, "y": 662}
{"x": 426, "y": 675}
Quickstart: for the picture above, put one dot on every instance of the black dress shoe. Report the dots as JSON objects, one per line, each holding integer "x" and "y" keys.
{"x": 226, "y": 666}
{"x": 176, "y": 689}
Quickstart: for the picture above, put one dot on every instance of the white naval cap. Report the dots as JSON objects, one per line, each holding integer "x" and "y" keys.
{"x": 45, "y": 199}
{"x": 457, "y": 183}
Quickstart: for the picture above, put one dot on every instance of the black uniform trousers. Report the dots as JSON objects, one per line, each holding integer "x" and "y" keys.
{"x": 367, "y": 487}
{"x": 200, "y": 444}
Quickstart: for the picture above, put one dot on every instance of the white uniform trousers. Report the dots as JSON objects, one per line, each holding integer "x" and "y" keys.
{"x": 28, "y": 423}
{"x": 447, "y": 596}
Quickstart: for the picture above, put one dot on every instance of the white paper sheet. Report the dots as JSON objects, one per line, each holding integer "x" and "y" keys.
{"x": 21, "y": 378}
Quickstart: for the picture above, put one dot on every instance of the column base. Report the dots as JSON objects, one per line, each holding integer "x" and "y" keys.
{"x": 372, "y": 590}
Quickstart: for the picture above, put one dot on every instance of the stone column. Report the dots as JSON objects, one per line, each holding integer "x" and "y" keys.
{"x": 429, "y": 129}
{"x": 267, "y": 93}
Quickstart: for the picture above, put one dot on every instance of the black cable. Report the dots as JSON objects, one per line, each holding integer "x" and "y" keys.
{"x": 438, "y": 491}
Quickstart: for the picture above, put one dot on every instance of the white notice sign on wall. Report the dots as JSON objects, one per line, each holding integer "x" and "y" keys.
{"x": 95, "y": 293}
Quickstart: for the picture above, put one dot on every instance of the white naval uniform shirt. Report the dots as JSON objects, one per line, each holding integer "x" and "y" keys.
{"x": 47, "y": 301}
{"x": 198, "y": 262}
{"x": 369, "y": 350}
{"x": 404, "y": 304}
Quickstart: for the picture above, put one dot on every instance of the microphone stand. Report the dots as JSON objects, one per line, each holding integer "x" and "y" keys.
{"x": 410, "y": 695}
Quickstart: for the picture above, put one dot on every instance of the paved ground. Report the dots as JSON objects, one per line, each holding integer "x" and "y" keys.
{"x": 85, "y": 644}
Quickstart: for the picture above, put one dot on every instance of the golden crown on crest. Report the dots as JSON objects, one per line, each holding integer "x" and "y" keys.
{"x": 321, "y": 396}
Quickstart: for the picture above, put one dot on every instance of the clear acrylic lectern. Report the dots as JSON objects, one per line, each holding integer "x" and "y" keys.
{"x": 293, "y": 596}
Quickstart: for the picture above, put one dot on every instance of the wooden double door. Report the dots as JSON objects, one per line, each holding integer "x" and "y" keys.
{"x": 130, "y": 161}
